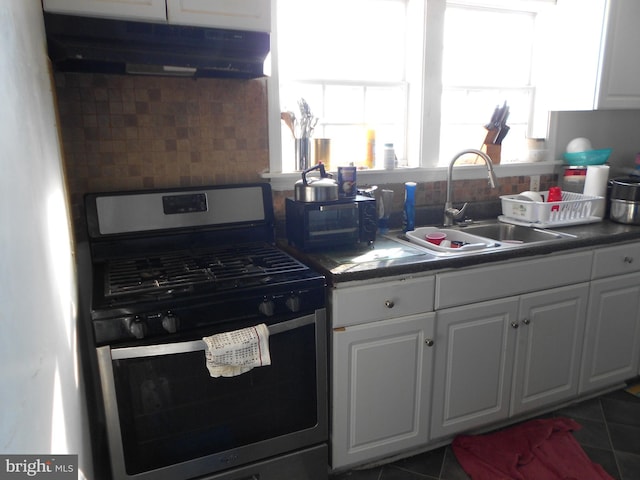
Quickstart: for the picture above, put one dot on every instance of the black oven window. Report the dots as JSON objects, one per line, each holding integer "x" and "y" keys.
{"x": 172, "y": 411}
{"x": 335, "y": 220}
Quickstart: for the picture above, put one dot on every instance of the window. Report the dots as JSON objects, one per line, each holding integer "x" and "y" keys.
{"x": 488, "y": 59}
{"x": 347, "y": 60}
{"x": 424, "y": 75}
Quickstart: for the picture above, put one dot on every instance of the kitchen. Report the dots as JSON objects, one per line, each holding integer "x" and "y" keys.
{"x": 97, "y": 160}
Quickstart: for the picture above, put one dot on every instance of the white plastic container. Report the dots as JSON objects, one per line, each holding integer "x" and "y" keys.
{"x": 389, "y": 156}
{"x": 574, "y": 209}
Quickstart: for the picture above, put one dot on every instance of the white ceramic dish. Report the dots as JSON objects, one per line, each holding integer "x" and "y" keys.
{"x": 530, "y": 196}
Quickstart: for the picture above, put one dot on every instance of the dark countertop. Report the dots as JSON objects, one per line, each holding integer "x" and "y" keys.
{"x": 390, "y": 255}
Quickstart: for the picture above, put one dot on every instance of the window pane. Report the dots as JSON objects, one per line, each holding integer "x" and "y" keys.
{"x": 466, "y": 111}
{"x": 385, "y": 105}
{"x": 487, "y": 47}
{"x": 347, "y": 60}
{"x": 342, "y": 40}
{"x": 344, "y": 104}
{"x": 487, "y": 60}
{"x": 348, "y": 145}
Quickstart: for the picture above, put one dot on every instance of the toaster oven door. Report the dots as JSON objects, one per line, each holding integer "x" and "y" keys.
{"x": 335, "y": 220}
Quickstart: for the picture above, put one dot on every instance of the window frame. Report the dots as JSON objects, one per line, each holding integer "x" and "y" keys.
{"x": 424, "y": 115}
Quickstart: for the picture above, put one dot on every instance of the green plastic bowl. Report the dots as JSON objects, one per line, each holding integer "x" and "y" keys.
{"x": 590, "y": 157}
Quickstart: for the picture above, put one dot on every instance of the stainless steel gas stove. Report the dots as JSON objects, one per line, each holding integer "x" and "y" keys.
{"x": 170, "y": 267}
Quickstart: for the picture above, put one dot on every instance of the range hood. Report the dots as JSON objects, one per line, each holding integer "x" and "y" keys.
{"x": 98, "y": 45}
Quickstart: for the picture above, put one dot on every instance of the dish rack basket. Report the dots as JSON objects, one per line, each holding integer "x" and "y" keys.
{"x": 573, "y": 209}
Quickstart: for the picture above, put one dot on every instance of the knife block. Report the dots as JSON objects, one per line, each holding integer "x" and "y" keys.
{"x": 494, "y": 151}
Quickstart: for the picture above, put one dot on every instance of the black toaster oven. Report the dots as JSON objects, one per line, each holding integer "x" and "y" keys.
{"x": 316, "y": 225}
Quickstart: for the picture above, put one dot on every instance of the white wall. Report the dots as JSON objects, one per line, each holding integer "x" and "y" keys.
{"x": 616, "y": 129}
{"x": 40, "y": 393}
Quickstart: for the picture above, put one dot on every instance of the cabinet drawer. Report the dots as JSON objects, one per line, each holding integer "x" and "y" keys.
{"x": 372, "y": 302}
{"x": 616, "y": 260}
{"x": 514, "y": 278}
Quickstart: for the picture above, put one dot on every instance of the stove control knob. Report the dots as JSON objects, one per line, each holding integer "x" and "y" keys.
{"x": 293, "y": 303}
{"x": 170, "y": 322}
{"x": 138, "y": 328}
{"x": 267, "y": 308}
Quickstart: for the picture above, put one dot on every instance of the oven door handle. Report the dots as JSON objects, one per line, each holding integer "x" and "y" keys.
{"x": 197, "y": 345}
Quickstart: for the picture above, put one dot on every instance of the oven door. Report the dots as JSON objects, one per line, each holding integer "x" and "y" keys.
{"x": 168, "y": 419}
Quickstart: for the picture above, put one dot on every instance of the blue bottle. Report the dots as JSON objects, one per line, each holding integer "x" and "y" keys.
{"x": 409, "y": 213}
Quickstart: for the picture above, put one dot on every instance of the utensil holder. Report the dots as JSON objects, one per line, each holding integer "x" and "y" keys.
{"x": 322, "y": 152}
{"x": 303, "y": 153}
{"x": 493, "y": 151}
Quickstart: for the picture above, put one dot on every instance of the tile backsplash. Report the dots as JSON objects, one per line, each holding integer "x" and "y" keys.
{"x": 126, "y": 132}
{"x": 135, "y": 132}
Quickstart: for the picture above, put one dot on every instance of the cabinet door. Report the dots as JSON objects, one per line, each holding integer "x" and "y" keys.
{"x": 474, "y": 350}
{"x": 549, "y": 348}
{"x": 381, "y": 388}
{"x": 620, "y": 69}
{"x": 152, "y": 10}
{"x": 254, "y": 15}
{"x": 612, "y": 338}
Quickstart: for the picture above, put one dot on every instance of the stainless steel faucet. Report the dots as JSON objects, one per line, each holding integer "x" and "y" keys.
{"x": 451, "y": 214}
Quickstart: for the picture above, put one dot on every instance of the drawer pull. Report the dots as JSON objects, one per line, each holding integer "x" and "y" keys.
{"x": 429, "y": 342}
{"x": 389, "y": 304}
{"x": 628, "y": 260}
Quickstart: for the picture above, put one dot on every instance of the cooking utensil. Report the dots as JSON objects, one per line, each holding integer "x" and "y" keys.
{"x": 625, "y": 200}
{"x": 290, "y": 120}
{"x": 316, "y": 189}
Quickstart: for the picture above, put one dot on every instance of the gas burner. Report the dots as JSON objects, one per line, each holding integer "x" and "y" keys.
{"x": 219, "y": 269}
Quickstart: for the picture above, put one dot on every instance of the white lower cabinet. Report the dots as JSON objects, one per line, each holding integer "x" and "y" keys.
{"x": 500, "y": 344}
{"x": 550, "y": 339}
{"x": 473, "y": 364}
{"x": 504, "y": 357}
{"x": 612, "y": 341}
{"x": 381, "y": 388}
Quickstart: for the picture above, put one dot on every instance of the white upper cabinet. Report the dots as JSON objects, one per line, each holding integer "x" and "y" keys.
{"x": 149, "y": 10}
{"x": 620, "y": 68}
{"x": 590, "y": 56}
{"x": 252, "y": 15}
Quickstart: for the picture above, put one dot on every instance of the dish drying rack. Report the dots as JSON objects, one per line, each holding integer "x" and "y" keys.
{"x": 573, "y": 209}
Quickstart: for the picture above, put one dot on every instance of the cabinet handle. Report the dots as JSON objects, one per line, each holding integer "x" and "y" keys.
{"x": 429, "y": 342}
{"x": 526, "y": 321}
{"x": 628, "y": 260}
{"x": 515, "y": 324}
{"x": 389, "y": 303}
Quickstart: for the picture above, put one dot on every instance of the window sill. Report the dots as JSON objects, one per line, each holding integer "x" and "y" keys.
{"x": 286, "y": 181}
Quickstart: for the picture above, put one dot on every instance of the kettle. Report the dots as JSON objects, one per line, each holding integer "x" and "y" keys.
{"x": 316, "y": 189}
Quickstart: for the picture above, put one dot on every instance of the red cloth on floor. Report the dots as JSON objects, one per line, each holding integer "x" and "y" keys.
{"x": 542, "y": 449}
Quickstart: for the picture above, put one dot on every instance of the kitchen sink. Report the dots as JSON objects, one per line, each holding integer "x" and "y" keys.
{"x": 480, "y": 237}
{"x": 513, "y": 234}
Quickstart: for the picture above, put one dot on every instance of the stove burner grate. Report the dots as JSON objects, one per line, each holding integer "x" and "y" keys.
{"x": 224, "y": 267}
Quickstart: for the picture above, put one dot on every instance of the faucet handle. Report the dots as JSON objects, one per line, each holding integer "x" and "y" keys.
{"x": 454, "y": 213}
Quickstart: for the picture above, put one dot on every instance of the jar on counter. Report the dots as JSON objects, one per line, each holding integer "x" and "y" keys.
{"x": 389, "y": 156}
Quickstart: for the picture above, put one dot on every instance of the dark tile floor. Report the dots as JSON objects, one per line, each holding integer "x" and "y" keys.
{"x": 610, "y": 436}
